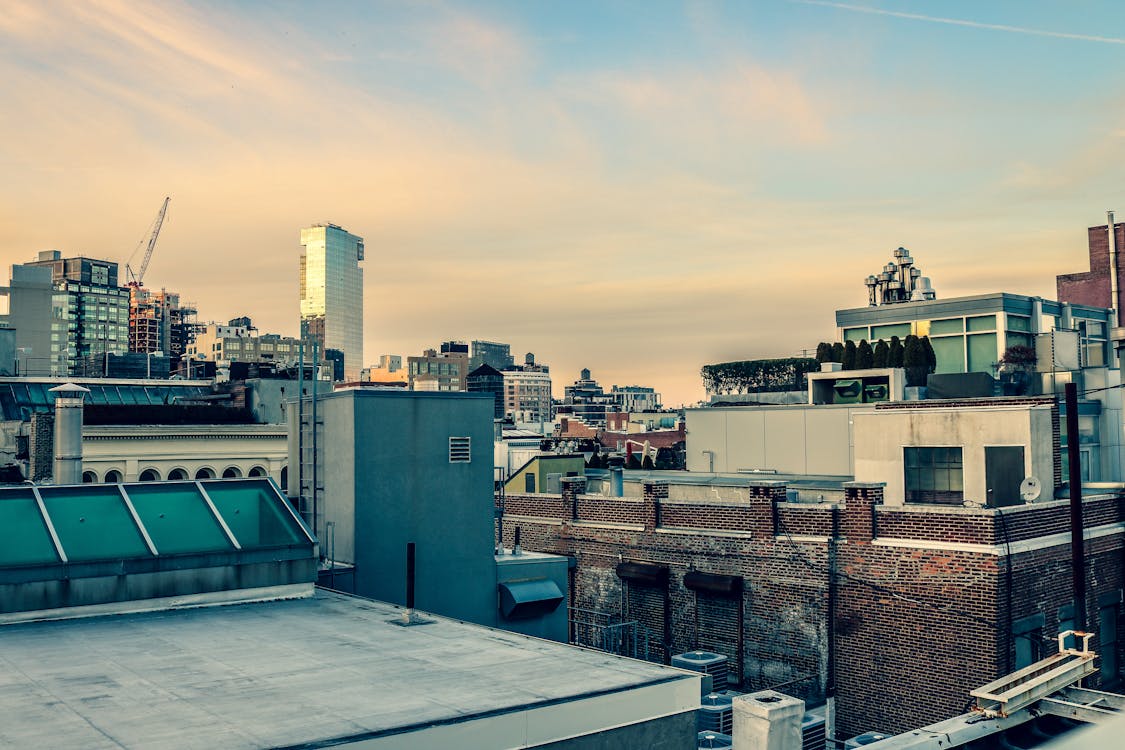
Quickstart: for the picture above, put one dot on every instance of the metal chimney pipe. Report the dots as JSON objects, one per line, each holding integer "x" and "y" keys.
{"x": 410, "y": 577}
{"x": 68, "y": 433}
{"x": 1114, "y": 302}
{"x": 516, "y": 548}
{"x": 1077, "y": 538}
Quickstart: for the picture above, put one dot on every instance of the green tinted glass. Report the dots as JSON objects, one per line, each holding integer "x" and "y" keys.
{"x": 177, "y": 518}
{"x": 1018, "y": 323}
{"x": 24, "y": 539}
{"x": 250, "y": 509}
{"x": 950, "y": 353}
{"x": 902, "y": 330}
{"x": 982, "y": 352}
{"x": 952, "y": 325}
{"x": 93, "y": 522}
{"x": 981, "y": 323}
{"x": 855, "y": 334}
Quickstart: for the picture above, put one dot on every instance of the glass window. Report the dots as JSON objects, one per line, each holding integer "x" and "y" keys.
{"x": 933, "y": 475}
{"x": 93, "y": 522}
{"x": 855, "y": 334}
{"x": 951, "y": 325}
{"x": 950, "y": 353}
{"x": 1018, "y": 339}
{"x": 177, "y": 519}
{"x": 251, "y": 511}
{"x": 981, "y": 323}
{"x": 902, "y": 330}
{"x": 1019, "y": 323}
{"x": 24, "y": 539}
{"x": 1027, "y": 639}
{"x": 982, "y": 352}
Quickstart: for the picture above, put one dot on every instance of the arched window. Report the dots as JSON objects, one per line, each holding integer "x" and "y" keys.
{"x": 176, "y": 475}
{"x": 285, "y": 478}
{"x": 232, "y": 472}
{"x": 205, "y": 473}
{"x": 113, "y": 476}
{"x": 257, "y": 471}
{"x": 149, "y": 475}
{"x": 89, "y": 477}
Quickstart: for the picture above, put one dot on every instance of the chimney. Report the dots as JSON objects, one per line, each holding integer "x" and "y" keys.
{"x": 767, "y": 720}
{"x": 68, "y": 433}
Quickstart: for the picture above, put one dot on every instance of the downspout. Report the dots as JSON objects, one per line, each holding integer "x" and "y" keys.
{"x": 830, "y": 669}
{"x": 1114, "y": 302}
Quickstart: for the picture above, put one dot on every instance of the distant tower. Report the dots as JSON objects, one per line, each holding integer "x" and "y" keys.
{"x": 332, "y": 292}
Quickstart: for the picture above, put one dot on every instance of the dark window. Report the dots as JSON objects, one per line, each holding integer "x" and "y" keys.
{"x": 529, "y": 482}
{"x": 1107, "y": 645}
{"x": 934, "y": 475}
{"x": 1027, "y": 640}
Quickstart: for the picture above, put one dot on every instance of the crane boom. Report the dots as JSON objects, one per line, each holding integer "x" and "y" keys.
{"x": 138, "y": 279}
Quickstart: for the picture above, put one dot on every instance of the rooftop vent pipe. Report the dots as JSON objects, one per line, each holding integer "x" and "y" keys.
{"x": 68, "y": 433}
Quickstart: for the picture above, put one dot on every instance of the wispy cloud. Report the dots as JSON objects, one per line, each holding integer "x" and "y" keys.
{"x": 963, "y": 22}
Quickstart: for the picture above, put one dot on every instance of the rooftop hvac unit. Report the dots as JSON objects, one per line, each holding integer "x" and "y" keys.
{"x": 714, "y": 741}
{"x": 867, "y": 738}
{"x": 847, "y": 391}
{"x": 716, "y": 712}
{"x": 707, "y": 662}
{"x": 813, "y": 731}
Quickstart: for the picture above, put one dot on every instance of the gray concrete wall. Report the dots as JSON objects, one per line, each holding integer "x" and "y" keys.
{"x": 386, "y": 463}
{"x": 675, "y": 732}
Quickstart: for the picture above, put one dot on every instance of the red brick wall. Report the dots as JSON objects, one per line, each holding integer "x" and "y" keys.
{"x": 916, "y": 628}
{"x": 1092, "y": 287}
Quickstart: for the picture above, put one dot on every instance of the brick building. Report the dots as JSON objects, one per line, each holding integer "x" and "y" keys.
{"x": 1093, "y": 287}
{"x": 898, "y": 612}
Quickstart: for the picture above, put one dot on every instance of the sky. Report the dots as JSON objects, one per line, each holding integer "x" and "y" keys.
{"x": 639, "y": 188}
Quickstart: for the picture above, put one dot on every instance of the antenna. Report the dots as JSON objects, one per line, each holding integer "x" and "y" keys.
{"x": 1030, "y": 489}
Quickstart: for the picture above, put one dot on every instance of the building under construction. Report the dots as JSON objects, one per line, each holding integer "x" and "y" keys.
{"x": 160, "y": 322}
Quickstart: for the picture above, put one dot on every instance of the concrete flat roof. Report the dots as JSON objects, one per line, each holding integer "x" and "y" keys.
{"x": 328, "y": 670}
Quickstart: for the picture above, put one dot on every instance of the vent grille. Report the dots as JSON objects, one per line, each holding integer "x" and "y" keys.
{"x": 813, "y": 736}
{"x": 460, "y": 450}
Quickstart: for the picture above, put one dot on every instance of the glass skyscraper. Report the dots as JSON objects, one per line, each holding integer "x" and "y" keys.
{"x": 332, "y": 293}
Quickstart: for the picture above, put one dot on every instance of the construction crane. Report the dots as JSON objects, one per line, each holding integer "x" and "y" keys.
{"x": 137, "y": 280}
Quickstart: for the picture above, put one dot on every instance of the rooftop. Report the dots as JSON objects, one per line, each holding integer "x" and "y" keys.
{"x": 325, "y": 670}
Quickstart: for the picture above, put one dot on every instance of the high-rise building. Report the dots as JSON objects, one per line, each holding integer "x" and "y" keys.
{"x": 527, "y": 396}
{"x": 496, "y": 355}
{"x": 446, "y": 370}
{"x": 160, "y": 322}
{"x": 487, "y": 379}
{"x": 30, "y": 295}
{"x": 90, "y": 312}
{"x": 332, "y": 292}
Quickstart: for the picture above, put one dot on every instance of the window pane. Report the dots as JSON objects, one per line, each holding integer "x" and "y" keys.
{"x": 902, "y": 330}
{"x": 950, "y": 353}
{"x": 250, "y": 510}
{"x": 177, "y": 519}
{"x": 24, "y": 539}
{"x": 953, "y": 325}
{"x": 855, "y": 334}
{"x": 981, "y": 323}
{"x": 1019, "y": 323}
{"x": 982, "y": 352}
{"x": 93, "y": 523}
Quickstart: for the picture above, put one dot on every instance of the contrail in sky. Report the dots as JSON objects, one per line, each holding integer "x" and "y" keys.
{"x": 961, "y": 22}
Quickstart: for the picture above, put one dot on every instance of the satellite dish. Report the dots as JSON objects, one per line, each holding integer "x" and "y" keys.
{"x": 1030, "y": 489}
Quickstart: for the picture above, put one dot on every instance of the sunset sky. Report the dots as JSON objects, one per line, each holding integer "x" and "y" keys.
{"x": 635, "y": 187}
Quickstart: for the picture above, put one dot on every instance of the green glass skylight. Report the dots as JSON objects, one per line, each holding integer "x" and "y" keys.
{"x": 24, "y": 539}
{"x": 93, "y": 522}
{"x": 177, "y": 518}
{"x": 251, "y": 511}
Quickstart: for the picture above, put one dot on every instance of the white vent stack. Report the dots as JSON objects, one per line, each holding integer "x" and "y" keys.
{"x": 898, "y": 281}
{"x": 68, "y": 433}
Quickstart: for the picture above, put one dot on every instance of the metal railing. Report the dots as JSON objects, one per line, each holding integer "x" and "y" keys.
{"x": 599, "y": 630}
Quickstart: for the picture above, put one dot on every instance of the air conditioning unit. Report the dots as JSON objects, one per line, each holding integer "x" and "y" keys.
{"x": 716, "y": 712}
{"x": 707, "y": 662}
{"x": 867, "y": 738}
{"x": 814, "y": 729}
{"x": 714, "y": 741}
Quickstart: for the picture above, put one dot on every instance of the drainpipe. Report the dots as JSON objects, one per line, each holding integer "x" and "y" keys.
{"x": 1077, "y": 539}
{"x": 68, "y": 433}
{"x": 1114, "y": 302}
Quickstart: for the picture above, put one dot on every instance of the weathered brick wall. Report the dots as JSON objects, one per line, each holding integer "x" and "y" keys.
{"x": 41, "y": 447}
{"x": 916, "y": 628}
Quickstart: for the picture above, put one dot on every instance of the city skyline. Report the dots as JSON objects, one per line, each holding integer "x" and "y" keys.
{"x": 639, "y": 194}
